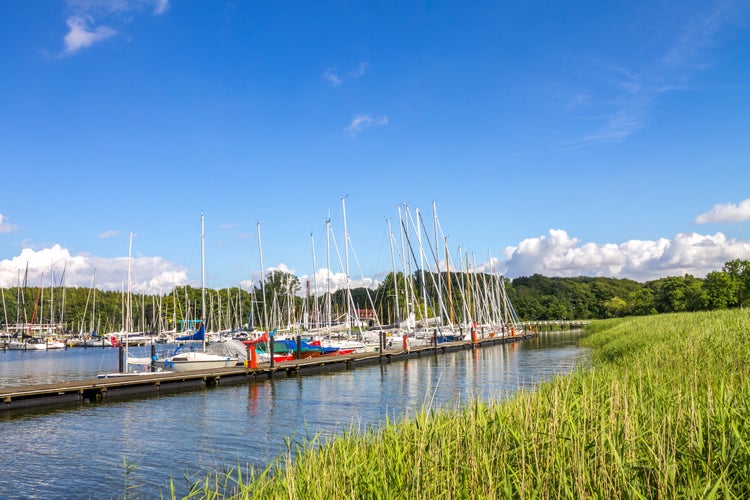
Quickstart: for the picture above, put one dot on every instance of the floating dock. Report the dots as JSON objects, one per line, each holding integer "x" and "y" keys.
{"x": 97, "y": 390}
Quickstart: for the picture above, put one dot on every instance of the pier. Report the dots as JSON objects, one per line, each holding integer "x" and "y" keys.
{"x": 101, "y": 390}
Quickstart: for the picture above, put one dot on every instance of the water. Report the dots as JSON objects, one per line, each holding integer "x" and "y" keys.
{"x": 80, "y": 452}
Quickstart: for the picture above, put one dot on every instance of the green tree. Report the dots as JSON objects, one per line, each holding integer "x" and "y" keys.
{"x": 641, "y": 302}
{"x": 739, "y": 271}
{"x": 720, "y": 289}
{"x": 616, "y": 307}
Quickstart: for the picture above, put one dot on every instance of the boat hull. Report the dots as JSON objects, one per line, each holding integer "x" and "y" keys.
{"x": 190, "y": 361}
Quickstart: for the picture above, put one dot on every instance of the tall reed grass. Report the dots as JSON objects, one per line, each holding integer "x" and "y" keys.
{"x": 663, "y": 412}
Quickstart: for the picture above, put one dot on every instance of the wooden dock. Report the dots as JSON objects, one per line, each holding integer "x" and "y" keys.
{"x": 81, "y": 392}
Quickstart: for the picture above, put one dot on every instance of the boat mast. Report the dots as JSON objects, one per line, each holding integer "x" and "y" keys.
{"x": 52, "y": 300}
{"x": 421, "y": 266}
{"x": 328, "y": 275}
{"x": 62, "y": 305}
{"x": 407, "y": 275}
{"x": 203, "y": 281}
{"x": 262, "y": 280}
{"x": 395, "y": 276}
{"x": 128, "y": 318}
{"x": 5, "y": 311}
{"x": 314, "y": 306}
{"x": 346, "y": 257}
{"x": 448, "y": 281}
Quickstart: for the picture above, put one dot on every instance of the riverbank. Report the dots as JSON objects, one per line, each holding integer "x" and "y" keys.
{"x": 663, "y": 412}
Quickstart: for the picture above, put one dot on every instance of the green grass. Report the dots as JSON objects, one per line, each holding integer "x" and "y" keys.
{"x": 663, "y": 412}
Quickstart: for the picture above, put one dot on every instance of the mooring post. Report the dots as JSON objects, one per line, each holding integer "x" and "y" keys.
{"x": 271, "y": 347}
{"x": 299, "y": 347}
{"x": 153, "y": 357}
{"x": 253, "y": 357}
{"x": 121, "y": 360}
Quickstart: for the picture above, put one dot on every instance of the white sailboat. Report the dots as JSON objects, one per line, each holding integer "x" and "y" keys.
{"x": 185, "y": 359}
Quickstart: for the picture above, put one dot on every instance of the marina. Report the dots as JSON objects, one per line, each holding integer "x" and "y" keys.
{"x": 104, "y": 388}
{"x": 80, "y": 450}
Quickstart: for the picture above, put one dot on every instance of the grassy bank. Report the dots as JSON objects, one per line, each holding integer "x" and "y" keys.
{"x": 663, "y": 412}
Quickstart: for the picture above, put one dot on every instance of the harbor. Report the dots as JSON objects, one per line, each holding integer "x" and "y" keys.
{"x": 102, "y": 389}
{"x": 87, "y": 448}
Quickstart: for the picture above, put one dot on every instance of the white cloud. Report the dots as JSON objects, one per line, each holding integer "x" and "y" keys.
{"x": 148, "y": 274}
{"x": 109, "y": 234}
{"x": 80, "y": 36}
{"x": 561, "y": 255}
{"x": 728, "y": 212}
{"x": 363, "y": 122}
{"x": 332, "y": 77}
{"x": 5, "y": 226}
{"x": 319, "y": 283}
{"x": 85, "y": 18}
{"x": 323, "y": 280}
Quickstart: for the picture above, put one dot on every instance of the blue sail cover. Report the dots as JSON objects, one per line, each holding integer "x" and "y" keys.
{"x": 199, "y": 335}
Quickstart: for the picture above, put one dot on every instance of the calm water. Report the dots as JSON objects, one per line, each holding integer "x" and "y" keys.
{"x": 79, "y": 452}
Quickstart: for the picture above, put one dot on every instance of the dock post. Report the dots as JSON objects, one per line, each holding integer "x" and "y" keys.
{"x": 253, "y": 357}
{"x": 299, "y": 347}
{"x": 153, "y": 357}
{"x": 271, "y": 346}
{"x": 121, "y": 360}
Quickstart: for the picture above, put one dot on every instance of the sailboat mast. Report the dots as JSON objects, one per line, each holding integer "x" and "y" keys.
{"x": 448, "y": 281}
{"x": 328, "y": 275}
{"x": 129, "y": 312}
{"x": 203, "y": 281}
{"x": 5, "y": 311}
{"x": 395, "y": 276}
{"x": 346, "y": 257}
{"x": 421, "y": 265}
{"x": 316, "y": 315}
{"x": 262, "y": 281}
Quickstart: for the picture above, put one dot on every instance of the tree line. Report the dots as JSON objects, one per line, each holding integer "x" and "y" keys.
{"x": 280, "y": 300}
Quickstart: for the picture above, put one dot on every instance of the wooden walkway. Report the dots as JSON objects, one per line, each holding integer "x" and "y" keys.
{"x": 76, "y": 393}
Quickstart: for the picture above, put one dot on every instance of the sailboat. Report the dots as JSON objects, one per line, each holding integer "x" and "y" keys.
{"x": 184, "y": 359}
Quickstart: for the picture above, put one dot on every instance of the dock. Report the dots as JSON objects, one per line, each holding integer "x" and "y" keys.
{"x": 100, "y": 390}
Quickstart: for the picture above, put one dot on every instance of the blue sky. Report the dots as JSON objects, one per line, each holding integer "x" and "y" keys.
{"x": 564, "y": 138}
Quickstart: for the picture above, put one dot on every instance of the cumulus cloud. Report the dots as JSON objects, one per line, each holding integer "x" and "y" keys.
{"x": 5, "y": 226}
{"x": 363, "y": 122}
{"x": 80, "y": 35}
{"x": 559, "y": 254}
{"x": 728, "y": 212}
{"x": 148, "y": 274}
{"x": 321, "y": 282}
